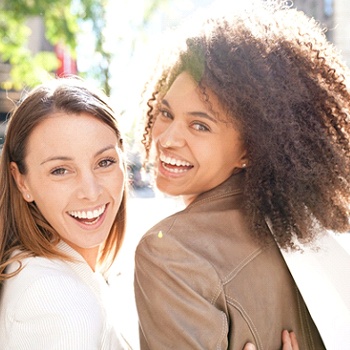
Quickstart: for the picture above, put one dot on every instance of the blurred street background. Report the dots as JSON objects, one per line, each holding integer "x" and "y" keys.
{"x": 113, "y": 44}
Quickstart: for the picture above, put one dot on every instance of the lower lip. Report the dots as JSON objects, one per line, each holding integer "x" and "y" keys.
{"x": 95, "y": 225}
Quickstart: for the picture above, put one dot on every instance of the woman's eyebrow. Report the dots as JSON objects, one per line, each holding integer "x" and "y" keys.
{"x": 202, "y": 115}
{"x": 104, "y": 149}
{"x": 50, "y": 159}
{"x": 199, "y": 114}
{"x": 65, "y": 158}
{"x": 165, "y": 102}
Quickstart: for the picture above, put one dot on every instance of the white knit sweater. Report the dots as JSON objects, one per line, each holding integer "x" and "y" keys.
{"x": 52, "y": 304}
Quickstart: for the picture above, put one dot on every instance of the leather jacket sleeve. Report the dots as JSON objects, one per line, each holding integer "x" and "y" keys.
{"x": 176, "y": 309}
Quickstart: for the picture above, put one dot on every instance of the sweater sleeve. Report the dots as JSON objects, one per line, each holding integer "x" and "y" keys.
{"x": 177, "y": 310}
{"x": 54, "y": 312}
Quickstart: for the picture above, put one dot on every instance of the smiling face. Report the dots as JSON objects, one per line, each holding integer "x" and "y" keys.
{"x": 196, "y": 149}
{"x": 75, "y": 176}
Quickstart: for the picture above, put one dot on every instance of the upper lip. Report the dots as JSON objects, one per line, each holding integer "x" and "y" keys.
{"x": 88, "y": 213}
{"x": 173, "y": 160}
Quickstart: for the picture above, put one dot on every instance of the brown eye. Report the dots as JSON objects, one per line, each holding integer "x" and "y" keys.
{"x": 59, "y": 171}
{"x": 200, "y": 126}
{"x": 105, "y": 163}
{"x": 166, "y": 114}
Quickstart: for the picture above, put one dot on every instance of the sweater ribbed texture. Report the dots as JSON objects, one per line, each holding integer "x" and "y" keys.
{"x": 53, "y": 304}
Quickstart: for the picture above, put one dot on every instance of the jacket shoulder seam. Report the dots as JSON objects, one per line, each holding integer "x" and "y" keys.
{"x": 244, "y": 263}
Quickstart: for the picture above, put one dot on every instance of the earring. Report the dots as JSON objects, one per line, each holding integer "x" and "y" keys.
{"x": 244, "y": 165}
{"x": 28, "y": 196}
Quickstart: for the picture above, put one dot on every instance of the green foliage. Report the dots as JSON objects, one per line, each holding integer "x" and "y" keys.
{"x": 61, "y": 26}
{"x": 62, "y": 19}
{"x": 36, "y": 67}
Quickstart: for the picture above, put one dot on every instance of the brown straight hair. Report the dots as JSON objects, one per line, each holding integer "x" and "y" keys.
{"x": 22, "y": 226}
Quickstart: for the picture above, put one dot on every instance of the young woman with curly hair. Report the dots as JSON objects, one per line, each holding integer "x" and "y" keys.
{"x": 249, "y": 117}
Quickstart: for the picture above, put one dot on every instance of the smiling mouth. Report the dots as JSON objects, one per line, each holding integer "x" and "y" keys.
{"x": 88, "y": 217}
{"x": 174, "y": 165}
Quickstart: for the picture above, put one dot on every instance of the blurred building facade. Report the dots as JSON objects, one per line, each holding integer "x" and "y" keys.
{"x": 341, "y": 25}
{"x": 335, "y": 15}
{"x": 321, "y": 10}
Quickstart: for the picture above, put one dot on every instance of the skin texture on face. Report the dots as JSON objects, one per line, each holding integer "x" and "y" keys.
{"x": 196, "y": 149}
{"x": 75, "y": 177}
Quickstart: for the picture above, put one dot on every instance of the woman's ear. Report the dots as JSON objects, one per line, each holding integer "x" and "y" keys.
{"x": 244, "y": 160}
{"x": 20, "y": 182}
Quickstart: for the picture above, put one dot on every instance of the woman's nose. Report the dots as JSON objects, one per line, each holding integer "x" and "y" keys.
{"x": 89, "y": 186}
{"x": 172, "y": 136}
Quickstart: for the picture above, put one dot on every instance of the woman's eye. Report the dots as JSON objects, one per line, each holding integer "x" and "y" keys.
{"x": 59, "y": 171}
{"x": 105, "y": 163}
{"x": 165, "y": 114}
{"x": 200, "y": 127}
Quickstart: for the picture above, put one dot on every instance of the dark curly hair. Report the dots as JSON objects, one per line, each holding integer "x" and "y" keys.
{"x": 285, "y": 88}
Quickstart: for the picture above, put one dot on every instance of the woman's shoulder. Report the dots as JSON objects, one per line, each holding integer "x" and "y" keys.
{"x": 46, "y": 283}
{"x": 216, "y": 219}
{"x": 36, "y": 267}
{"x": 163, "y": 229}
{"x": 172, "y": 242}
{"x": 47, "y": 292}
{"x": 41, "y": 275}
{"x": 196, "y": 236}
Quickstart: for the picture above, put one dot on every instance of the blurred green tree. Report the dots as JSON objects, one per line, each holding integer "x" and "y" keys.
{"x": 61, "y": 26}
{"x": 62, "y": 20}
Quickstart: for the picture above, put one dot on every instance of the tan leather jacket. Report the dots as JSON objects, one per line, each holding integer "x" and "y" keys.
{"x": 202, "y": 282}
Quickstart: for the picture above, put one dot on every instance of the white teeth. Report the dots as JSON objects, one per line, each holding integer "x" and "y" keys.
{"x": 90, "y": 214}
{"x": 175, "y": 170}
{"x": 173, "y": 161}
